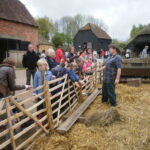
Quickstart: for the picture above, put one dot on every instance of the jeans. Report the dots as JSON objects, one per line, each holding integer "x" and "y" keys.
{"x": 73, "y": 76}
{"x": 108, "y": 93}
{"x": 30, "y": 73}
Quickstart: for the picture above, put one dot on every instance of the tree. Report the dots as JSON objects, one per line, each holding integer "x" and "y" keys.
{"x": 70, "y": 25}
{"x": 46, "y": 27}
{"x": 57, "y": 40}
{"x": 135, "y": 30}
{"x": 61, "y": 39}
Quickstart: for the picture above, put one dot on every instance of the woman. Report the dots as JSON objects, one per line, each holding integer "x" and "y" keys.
{"x": 7, "y": 78}
{"x": 51, "y": 59}
{"x": 8, "y": 86}
{"x": 71, "y": 55}
{"x": 111, "y": 75}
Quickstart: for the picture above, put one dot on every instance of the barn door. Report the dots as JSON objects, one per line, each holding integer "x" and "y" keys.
{"x": 89, "y": 45}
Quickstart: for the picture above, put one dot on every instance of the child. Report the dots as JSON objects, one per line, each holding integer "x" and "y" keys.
{"x": 86, "y": 65}
{"x": 73, "y": 76}
{"x": 62, "y": 69}
{"x": 43, "y": 70}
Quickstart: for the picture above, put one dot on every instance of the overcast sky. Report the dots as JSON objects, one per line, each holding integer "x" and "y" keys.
{"x": 118, "y": 15}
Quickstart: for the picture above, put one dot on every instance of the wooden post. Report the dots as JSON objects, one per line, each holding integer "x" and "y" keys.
{"x": 10, "y": 125}
{"x": 95, "y": 76}
{"x": 48, "y": 106}
{"x": 60, "y": 100}
{"x": 69, "y": 94}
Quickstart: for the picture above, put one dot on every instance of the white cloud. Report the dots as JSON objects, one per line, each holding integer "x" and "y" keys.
{"x": 118, "y": 15}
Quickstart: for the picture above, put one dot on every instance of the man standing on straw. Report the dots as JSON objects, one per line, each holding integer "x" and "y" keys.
{"x": 111, "y": 75}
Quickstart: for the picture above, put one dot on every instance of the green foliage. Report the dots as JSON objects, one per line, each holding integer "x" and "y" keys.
{"x": 135, "y": 30}
{"x": 46, "y": 27}
{"x": 57, "y": 40}
{"x": 61, "y": 39}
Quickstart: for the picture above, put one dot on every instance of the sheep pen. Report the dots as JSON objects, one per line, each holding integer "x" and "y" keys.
{"x": 129, "y": 131}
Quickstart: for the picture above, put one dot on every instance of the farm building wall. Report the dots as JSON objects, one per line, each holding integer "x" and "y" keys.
{"x": 138, "y": 44}
{"x": 88, "y": 36}
{"x": 18, "y": 31}
{"x": 45, "y": 47}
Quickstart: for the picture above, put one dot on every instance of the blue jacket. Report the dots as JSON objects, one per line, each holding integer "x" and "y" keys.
{"x": 37, "y": 80}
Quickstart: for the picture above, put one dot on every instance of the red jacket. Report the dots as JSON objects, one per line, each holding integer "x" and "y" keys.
{"x": 60, "y": 55}
{"x": 103, "y": 53}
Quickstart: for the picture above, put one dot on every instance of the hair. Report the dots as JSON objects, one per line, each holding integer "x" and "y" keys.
{"x": 43, "y": 51}
{"x": 43, "y": 61}
{"x": 82, "y": 60}
{"x": 113, "y": 46}
{"x": 9, "y": 61}
{"x": 50, "y": 52}
{"x": 70, "y": 48}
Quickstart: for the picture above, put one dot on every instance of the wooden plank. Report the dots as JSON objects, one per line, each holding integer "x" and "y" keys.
{"x": 64, "y": 127}
{"x": 10, "y": 125}
{"x": 61, "y": 96}
{"x": 29, "y": 114}
{"x": 48, "y": 106}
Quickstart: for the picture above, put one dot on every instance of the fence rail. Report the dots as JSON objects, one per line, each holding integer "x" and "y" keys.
{"x": 25, "y": 116}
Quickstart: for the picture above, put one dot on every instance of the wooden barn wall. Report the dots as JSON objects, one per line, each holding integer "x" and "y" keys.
{"x": 139, "y": 43}
{"x": 88, "y": 36}
{"x": 103, "y": 44}
{"x": 84, "y": 37}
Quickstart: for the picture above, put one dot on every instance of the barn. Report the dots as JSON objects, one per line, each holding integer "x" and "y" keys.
{"x": 92, "y": 36}
{"x": 17, "y": 28}
{"x": 140, "y": 41}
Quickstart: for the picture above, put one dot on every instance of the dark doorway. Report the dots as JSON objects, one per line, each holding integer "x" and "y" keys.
{"x": 3, "y": 49}
{"x": 9, "y": 44}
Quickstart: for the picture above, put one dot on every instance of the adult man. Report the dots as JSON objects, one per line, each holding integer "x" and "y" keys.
{"x": 144, "y": 52}
{"x": 112, "y": 73}
{"x": 29, "y": 61}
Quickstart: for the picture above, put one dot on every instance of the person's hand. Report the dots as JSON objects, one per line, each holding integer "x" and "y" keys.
{"x": 28, "y": 87}
{"x": 53, "y": 77}
{"x": 98, "y": 70}
{"x": 116, "y": 81}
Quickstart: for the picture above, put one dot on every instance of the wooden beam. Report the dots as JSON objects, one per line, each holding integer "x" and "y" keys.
{"x": 48, "y": 106}
{"x": 64, "y": 127}
{"x": 28, "y": 114}
{"x": 10, "y": 125}
{"x": 80, "y": 119}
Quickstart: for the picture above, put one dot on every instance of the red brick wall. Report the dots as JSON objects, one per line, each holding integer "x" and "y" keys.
{"x": 27, "y": 32}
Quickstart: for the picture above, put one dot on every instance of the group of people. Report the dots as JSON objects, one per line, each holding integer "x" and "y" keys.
{"x": 55, "y": 64}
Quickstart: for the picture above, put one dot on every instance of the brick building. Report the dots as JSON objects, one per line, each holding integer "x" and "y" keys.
{"x": 17, "y": 28}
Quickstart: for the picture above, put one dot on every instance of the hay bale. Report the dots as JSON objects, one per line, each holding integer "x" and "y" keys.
{"x": 134, "y": 82}
{"x": 103, "y": 118}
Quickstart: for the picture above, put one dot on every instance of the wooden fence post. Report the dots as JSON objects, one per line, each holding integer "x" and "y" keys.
{"x": 10, "y": 124}
{"x": 48, "y": 106}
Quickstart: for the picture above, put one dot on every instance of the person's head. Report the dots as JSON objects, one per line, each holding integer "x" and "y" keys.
{"x": 81, "y": 60}
{"x": 51, "y": 53}
{"x": 146, "y": 47}
{"x": 71, "y": 49}
{"x": 30, "y": 48}
{"x": 89, "y": 51}
{"x": 113, "y": 49}
{"x": 9, "y": 61}
{"x": 42, "y": 64}
{"x": 43, "y": 51}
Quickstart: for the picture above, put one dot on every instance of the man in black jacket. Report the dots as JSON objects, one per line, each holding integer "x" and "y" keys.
{"x": 29, "y": 61}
